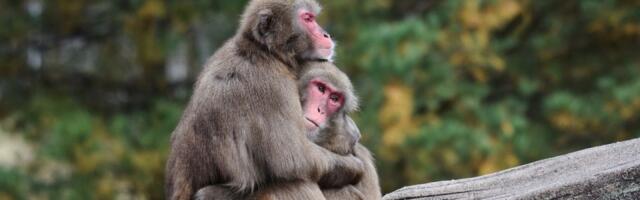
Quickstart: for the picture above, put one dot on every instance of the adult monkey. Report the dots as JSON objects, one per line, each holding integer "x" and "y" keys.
{"x": 327, "y": 98}
{"x": 243, "y": 126}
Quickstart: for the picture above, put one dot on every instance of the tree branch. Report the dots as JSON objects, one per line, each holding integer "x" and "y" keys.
{"x": 610, "y": 172}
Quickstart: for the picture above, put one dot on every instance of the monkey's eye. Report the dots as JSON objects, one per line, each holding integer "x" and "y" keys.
{"x": 334, "y": 97}
{"x": 308, "y": 17}
{"x": 321, "y": 88}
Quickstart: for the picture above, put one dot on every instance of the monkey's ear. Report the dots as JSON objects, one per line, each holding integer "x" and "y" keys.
{"x": 264, "y": 23}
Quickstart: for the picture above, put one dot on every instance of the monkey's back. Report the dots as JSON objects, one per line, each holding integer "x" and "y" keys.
{"x": 235, "y": 102}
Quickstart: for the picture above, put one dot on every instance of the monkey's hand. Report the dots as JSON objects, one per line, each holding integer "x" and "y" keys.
{"x": 347, "y": 170}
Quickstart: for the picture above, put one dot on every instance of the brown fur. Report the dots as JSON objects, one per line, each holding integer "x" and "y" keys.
{"x": 293, "y": 190}
{"x": 243, "y": 126}
{"x": 340, "y": 135}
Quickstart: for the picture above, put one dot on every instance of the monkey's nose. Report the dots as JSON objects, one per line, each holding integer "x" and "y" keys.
{"x": 326, "y": 35}
{"x": 320, "y": 111}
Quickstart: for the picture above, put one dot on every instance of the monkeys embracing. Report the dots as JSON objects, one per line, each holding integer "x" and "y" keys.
{"x": 244, "y": 129}
{"x": 327, "y": 98}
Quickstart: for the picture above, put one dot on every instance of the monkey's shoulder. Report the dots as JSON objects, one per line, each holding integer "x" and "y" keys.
{"x": 242, "y": 84}
{"x": 235, "y": 67}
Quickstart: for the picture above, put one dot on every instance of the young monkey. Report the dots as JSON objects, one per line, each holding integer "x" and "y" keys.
{"x": 327, "y": 99}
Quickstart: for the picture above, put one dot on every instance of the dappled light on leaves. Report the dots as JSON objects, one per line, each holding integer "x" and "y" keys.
{"x": 396, "y": 116}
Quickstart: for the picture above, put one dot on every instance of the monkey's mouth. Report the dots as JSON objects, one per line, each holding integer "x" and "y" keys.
{"x": 314, "y": 123}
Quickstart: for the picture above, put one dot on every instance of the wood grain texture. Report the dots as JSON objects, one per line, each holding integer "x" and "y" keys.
{"x": 605, "y": 172}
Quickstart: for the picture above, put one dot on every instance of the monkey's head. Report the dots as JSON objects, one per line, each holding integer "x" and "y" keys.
{"x": 327, "y": 100}
{"x": 287, "y": 28}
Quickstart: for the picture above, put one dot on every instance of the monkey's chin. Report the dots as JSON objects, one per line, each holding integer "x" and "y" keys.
{"x": 310, "y": 125}
{"x": 326, "y": 54}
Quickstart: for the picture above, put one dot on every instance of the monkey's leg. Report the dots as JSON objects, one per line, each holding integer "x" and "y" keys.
{"x": 290, "y": 191}
{"x": 280, "y": 191}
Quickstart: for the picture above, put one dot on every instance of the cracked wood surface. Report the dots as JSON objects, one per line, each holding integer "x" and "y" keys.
{"x": 605, "y": 172}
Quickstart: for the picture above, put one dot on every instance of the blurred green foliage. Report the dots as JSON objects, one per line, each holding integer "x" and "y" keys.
{"x": 91, "y": 90}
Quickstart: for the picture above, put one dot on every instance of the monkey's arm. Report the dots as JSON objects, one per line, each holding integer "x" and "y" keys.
{"x": 367, "y": 188}
{"x": 342, "y": 175}
{"x": 369, "y": 184}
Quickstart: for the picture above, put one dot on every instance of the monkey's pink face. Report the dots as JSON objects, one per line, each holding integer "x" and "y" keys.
{"x": 322, "y": 102}
{"x": 321, "y": 39}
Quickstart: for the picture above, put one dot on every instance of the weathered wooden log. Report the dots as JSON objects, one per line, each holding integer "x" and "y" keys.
{"x": 605, "y": 172}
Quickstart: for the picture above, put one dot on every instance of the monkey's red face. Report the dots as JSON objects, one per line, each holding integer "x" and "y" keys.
{"x": 321, "y": 39}
{"x": 322, "y": 102}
